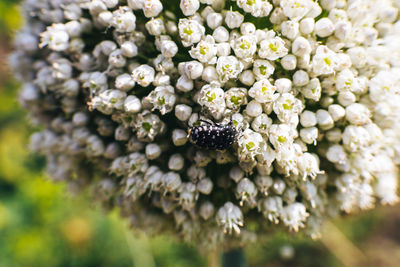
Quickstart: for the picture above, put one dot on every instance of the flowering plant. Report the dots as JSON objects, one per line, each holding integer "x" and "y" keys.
{"x": 311, "y": 87}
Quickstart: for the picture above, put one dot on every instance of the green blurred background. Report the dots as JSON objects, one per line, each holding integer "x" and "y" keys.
{"x": 42, "y": 225}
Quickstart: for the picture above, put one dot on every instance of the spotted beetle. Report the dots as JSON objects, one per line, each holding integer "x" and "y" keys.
{"x": 213, "y": 136}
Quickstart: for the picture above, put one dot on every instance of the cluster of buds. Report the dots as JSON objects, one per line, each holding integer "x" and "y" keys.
{"x": 311, "y": 87}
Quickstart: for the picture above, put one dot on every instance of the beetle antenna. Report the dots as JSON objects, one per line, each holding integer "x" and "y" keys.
{"x": 209, "y": 123}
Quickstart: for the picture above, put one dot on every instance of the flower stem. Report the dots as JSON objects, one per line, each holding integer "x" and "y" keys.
{"x": 234, "y": 258}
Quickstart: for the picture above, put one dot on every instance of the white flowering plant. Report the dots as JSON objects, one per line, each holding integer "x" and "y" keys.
{"x": 310, "y": 87}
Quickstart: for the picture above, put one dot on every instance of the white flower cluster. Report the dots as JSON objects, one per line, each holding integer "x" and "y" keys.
{"x": 311, "y": 87}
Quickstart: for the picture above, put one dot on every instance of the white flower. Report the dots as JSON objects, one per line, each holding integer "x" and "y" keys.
{"x": 176, "y": 162}
{"x": 206, "y": 210}
{"x": 155, "y": 27}
{"x": 309, "y": 135}
{"x": 301, "y": 46}
{"x": 228, "y": 67}
{"x": 334, "y": 135}
{"x": 383, "y": 85}
{"x": 289, "y": 62}
{"x": 129, "y": 49}
{"x": 272, "y": 48}
{"x": 272, "y": 208}
{"x": 277, "y": 16}
{"x": 169, "y": 48}
{"x": 346, "y": 98}
{"x": 261, "y": 124}
{"x": 386, "y": 187}
{"x": 312, "y": 90}
{"x": 210, "y": 74}
{"x": 152, "y": 178}
{"x": 221, "y": 34}
{"x": 358, "y": 114}
{"x": 152, "y": 151}
{"x": 290, "y": 29}
{"x": 250, "y": 144}
{"x": 280, "y": 135}
{"x": 105, "y": 18}
{"x": 263, "y": 183}
{"x": 56, "y": 37}
{"x": 185, "y": 84}
{"x": 116, "y": 59}
{"x": 213, "y": 98}
{"x": 265, "y": 9}
{"x": 189, "y": 7}
{"x": 251, "y": 6}
{"x": 294, "y": 215}
{"x": 324, "y": 61}
{"x": 254, "y": 108}
{"x": 337, "y": 111}
{"x": 307, "y": 25}
{"x": 223, "y": 49}
{"x": 205, "y": 186}
{"x": 183, "y": 112}
{"x": 233, "y": 19}
{"x": 246, "y": 191}
{"x": 236, "y": 174}
{"x": 214, "y": 20}
{"x": 257, "y": 8}
{"x": 124, "y": 20}
{"x": 143, "y": 75}
{"x": 171, "y": 181}
{"x": 148, "y": 126}
{"x": 62, "y": 69}
{"x": 296, "y": 9}
{"x": 163, "y": 98}
{"x": 73, "y": 28}
{"x": 300, "y": 78}
{"x": 151, "y": 8}
{"x": 192, "y": 69}
{"x": 355, "y": 138}
{"x": 179, "y": 137}
{"x": 343, "y": 30}
{"x": 324, "y": 27}
{"x": 263, "y": 91}
{"x": 287, "y": 157}
{"x": 265, "y": 159}
{"x": 135, "y": 4}
{"x": 124, "y": 82}
{"x": 336, "y": 154}
{"x": 353, "y": 193}
{"x": 108, "y": 100}
{"x": 245, "y": 46}
{"x": 132, "y": 104}
{"x": 247, "y": 77}
{"x": 308, "y": 165}
{"x": 345, "y": 80}
{"x": 262, "y": 69}
{"x": 324, "y": 119}
{"x": 286, "y": 106}
{"x": 236, "y": 97}
{"x": 94, "y": 146}
{"x": 230, "y": 217}
{"x": 190, "y": 31}
{"x": 308, "y": 119}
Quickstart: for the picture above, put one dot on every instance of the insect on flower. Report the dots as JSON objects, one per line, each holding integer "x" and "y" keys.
{"x": 213, "y": 136}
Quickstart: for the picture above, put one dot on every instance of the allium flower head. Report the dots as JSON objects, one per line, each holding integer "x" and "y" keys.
{"x": 310, "y": 87}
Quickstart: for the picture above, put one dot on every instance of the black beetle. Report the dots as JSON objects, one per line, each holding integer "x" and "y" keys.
{"x": 213, "y": 136}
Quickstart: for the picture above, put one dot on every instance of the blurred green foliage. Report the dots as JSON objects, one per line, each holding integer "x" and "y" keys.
{"x": 10, "y": 18}
{"x": 40, "y": 225}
